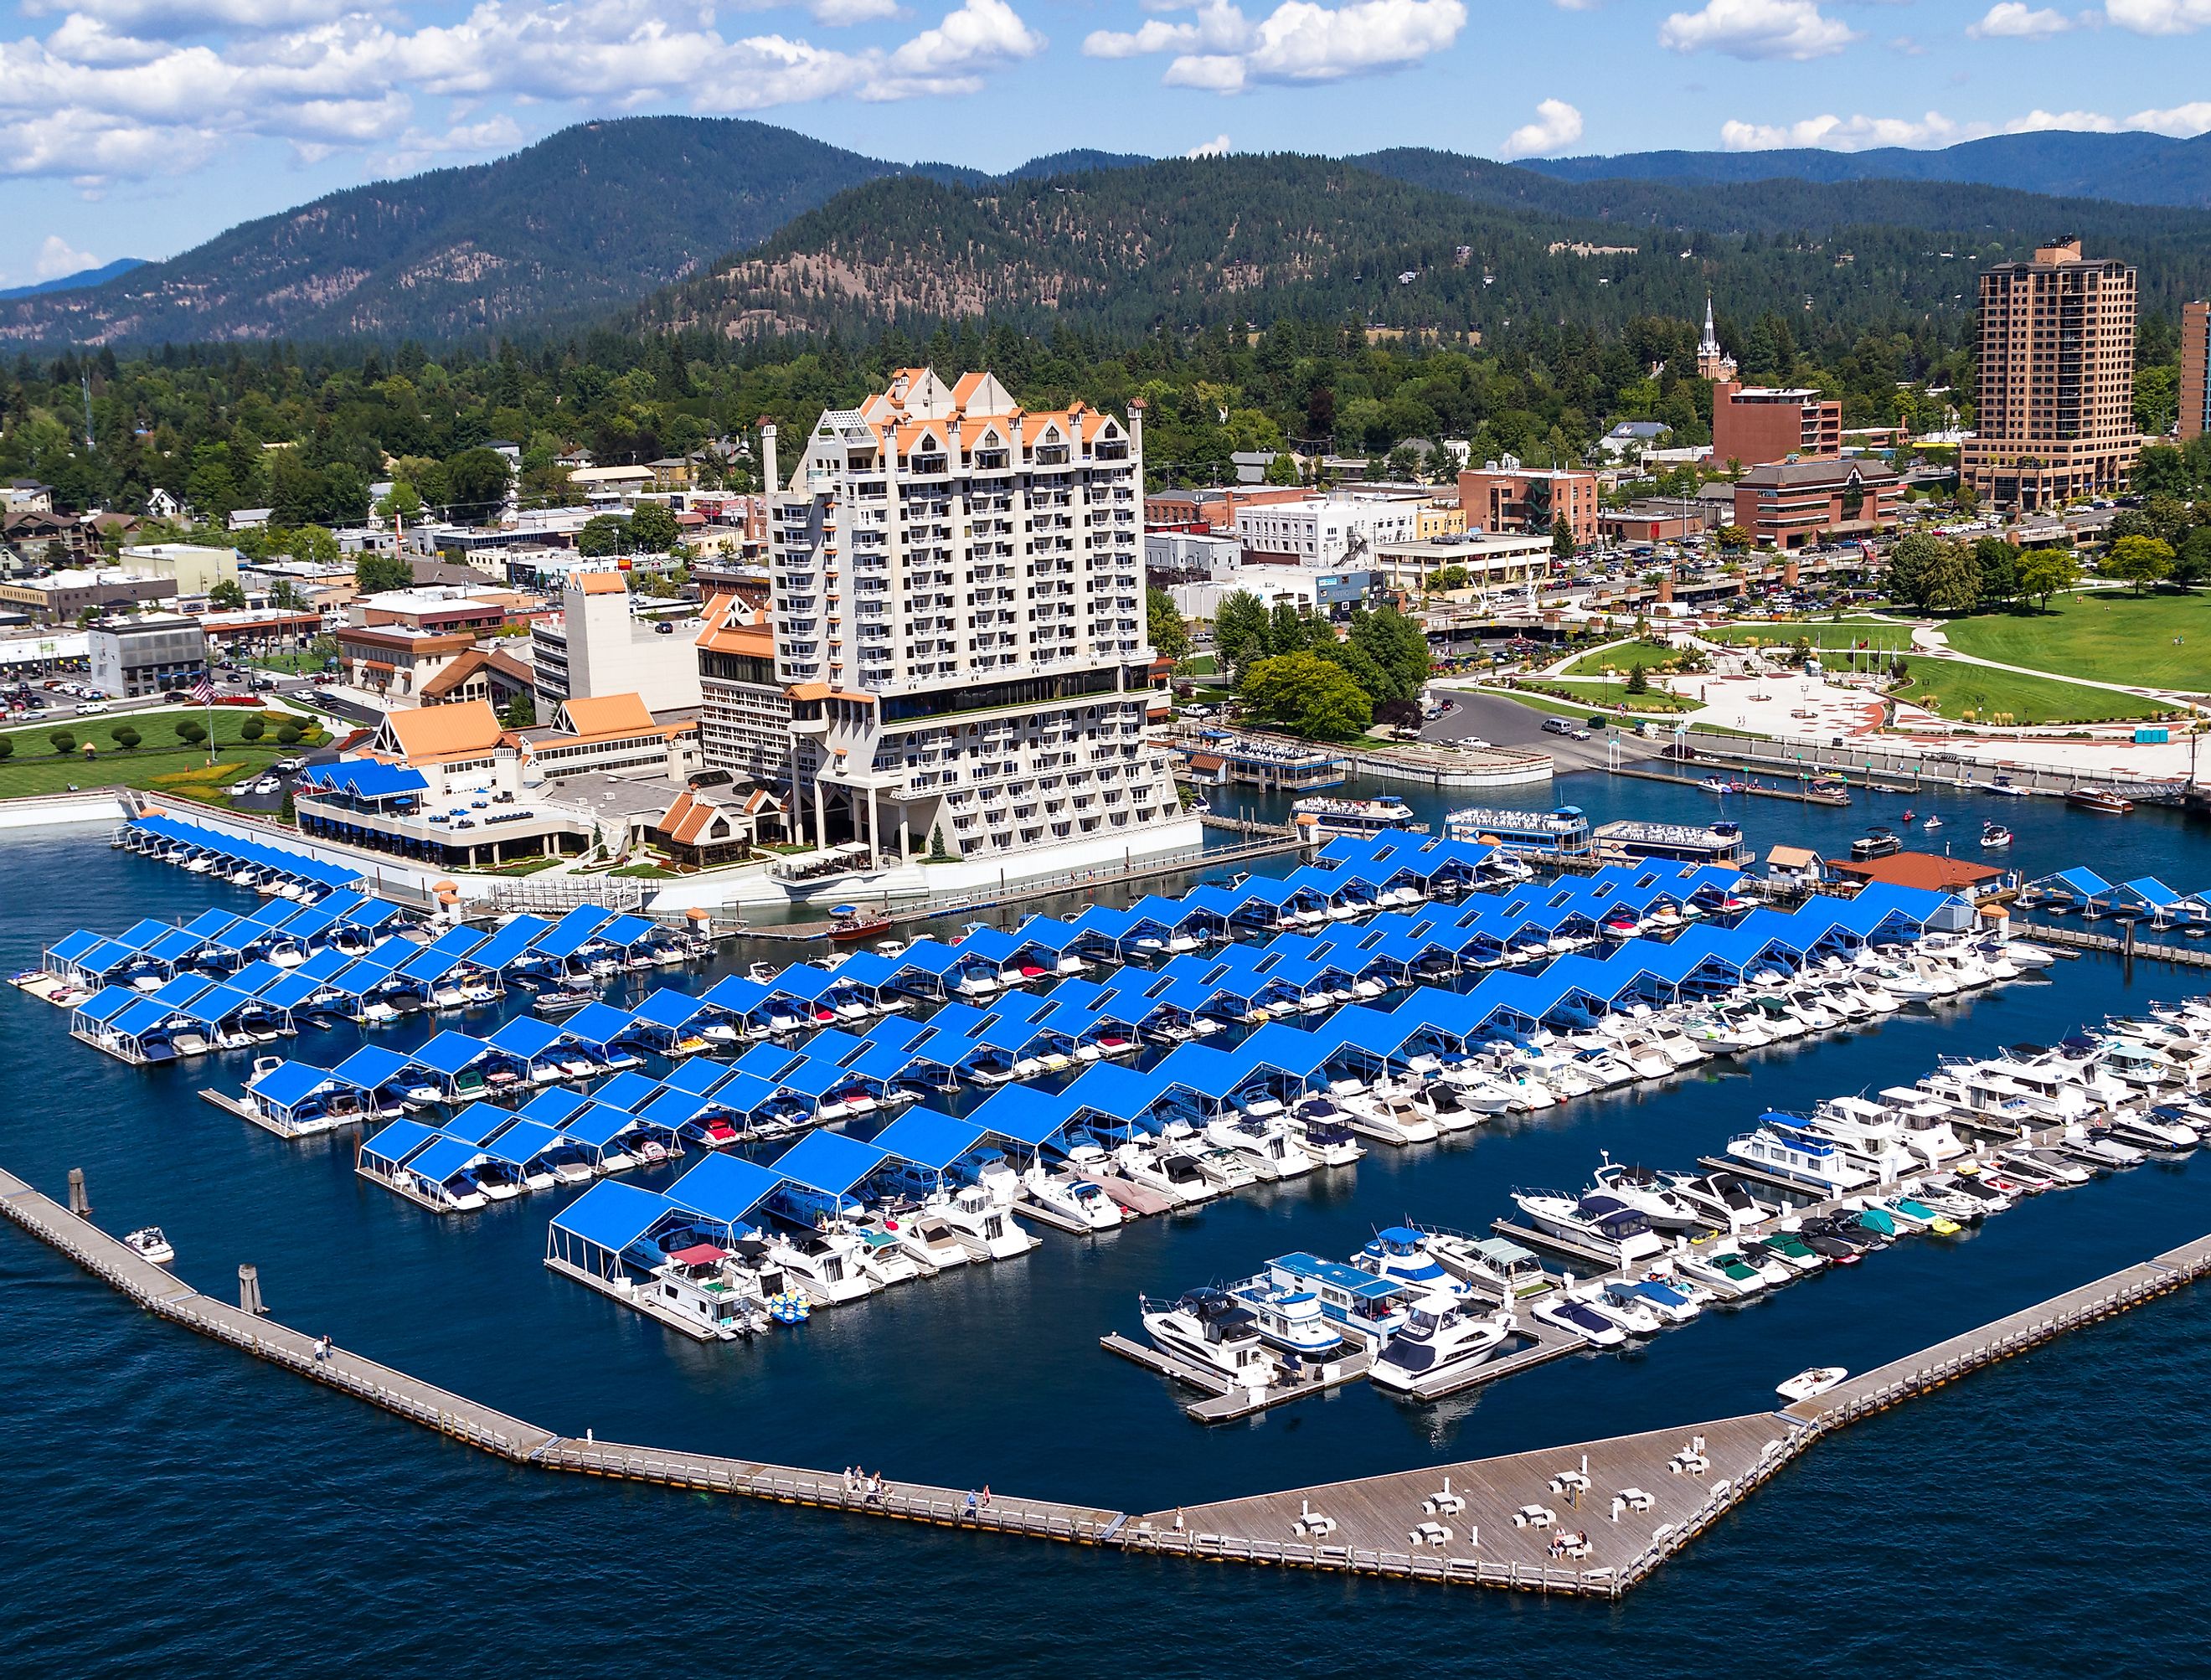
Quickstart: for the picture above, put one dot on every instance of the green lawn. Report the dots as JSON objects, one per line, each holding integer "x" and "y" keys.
{"x": 1198, "y": 664}
{"x": 1826, "y": 635}
{"x": 2104, "y": 635}
{"x": 161, "y": 763}
{"x": 1622, "y": 659}
{"x": 2029, "y": 699}
{"x": 1601, "y": 693}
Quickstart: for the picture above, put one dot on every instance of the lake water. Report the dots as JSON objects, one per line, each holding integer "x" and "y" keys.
{"x": 172, "y": 1505}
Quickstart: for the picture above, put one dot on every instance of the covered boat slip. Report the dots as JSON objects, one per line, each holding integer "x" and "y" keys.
{"x": 233, "y": 857}
{"x": 2146, "y": 898}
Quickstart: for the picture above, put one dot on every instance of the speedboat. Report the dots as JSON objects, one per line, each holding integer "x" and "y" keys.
{"x": 1577, "y": 1320}
{"x": 1648, "y": 1194}
{"x": 1719, "y": 1199}
{"x": 1669, "y": 1302}
{"x": 1288, "y": 1317}
{"x": 1632, "y": 1315}
{"x": 1728, "y": 1275}
{"x": 1209, "y": 1329}
{"x": 1604, "y": 1224}
{"x": 1440, "y": 1346}
{"x": 1995, "y": 836}
{"x": 1817, "y": 1380}
{"x": 148, "y": 1243}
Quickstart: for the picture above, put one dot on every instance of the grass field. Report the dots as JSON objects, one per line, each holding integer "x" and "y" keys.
{"x": 1603, "y": 694}
{"x": 2104, "y": 635}
{"x": 161, "y": 763}
{"x": 1622, "y": 658}
{"x": 1825, "y": 636}
{"x": 2029, "y": 699}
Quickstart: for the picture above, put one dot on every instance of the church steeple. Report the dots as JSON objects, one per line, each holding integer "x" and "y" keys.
{"x": 1711, "y": 363}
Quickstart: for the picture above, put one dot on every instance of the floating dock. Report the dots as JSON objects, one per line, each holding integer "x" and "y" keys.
{"x": 1227, "y": 1401}
{"x": 1593, "y": 1517}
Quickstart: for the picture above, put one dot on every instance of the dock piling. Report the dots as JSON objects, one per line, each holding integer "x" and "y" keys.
{"x": 80, "y": 1200}
{"x": 249, "y": 1291}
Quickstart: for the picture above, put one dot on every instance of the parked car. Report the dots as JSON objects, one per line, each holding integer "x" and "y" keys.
{"x": 238, "y": 790}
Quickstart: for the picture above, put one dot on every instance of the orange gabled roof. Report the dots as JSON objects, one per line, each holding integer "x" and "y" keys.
{"x": 607, "y": 714}
{"x": 467, "y": 728}
{"x": 1033, "y": 426}
{"x": 599, "y": 583}
{"x": 734, "y": 628}
{"x": 808, "y": 691}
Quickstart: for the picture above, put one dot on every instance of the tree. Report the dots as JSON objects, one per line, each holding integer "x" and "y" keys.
{"x": 64, "y": 743}
{"x": 2047, "y": 571}
{"x": 124, "y": 737}
{"x": 373, "y": 573}
{"x": 2138, "y": 561}
{"x": 190, "y": 731}
{"x": 403, "y": 502}
{"x": 477, "y": 482}
{"x": 316, "y": 544}
{"x": 1397, "y": 646}
{"x": 229, "y": 595}
{"x": 1997, "y": 562}
{"x": 1282, "y": 470}
{"x": 938, "y": 854}
{"x": 289, "y": 734}
{"x": 285, "y": 595}
{"x": 1308, "y": 695}
{"x": 1444, "y": 578}
{"x": 603, "y": 535}
{"x": 1733, "y": 538}
{"x": 7, "y": 747}
{"x": 521, "y": 712}
{"x": 1240, "y": 631}
{"x": 1931, "y": 575}
{"x": 253, "y": 729}
{"x": 1638, "y": 681}
{"x": 652, "y": 528}
{"x": 1562, "y": 542}
{"x": 2192, "y": 563}
{"x": 1163, "y": 623}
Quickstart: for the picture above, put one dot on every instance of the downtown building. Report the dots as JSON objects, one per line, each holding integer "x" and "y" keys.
{"x": 2055, "y": 414}
{"x": 959, "y": 627}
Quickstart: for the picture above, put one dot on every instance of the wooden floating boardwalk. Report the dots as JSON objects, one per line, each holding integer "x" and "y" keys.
{"x": 1593, "y": 1517}
{"x": 2126, "y": 944}
{"x": 1798, "y": 794}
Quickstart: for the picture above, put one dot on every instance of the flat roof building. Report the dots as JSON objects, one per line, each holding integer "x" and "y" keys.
{"x": 148, "y": 654}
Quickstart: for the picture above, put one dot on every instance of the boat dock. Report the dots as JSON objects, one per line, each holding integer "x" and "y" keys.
{"x": 1592, "y": 1518}
{"x": 2126, "y": 943}
{"x": 1226, "y": 1402}
{"x": 1799, "y": 793}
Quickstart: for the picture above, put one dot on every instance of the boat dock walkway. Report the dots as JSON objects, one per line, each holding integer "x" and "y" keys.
{"x": 1593, "y": 1517}
{"x": 2125, "y": 943}
{"x": 1798, "y": 793}
{"x": 1225, "y": 1401}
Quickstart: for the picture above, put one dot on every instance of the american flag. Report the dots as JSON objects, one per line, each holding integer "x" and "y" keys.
{"x": 203, "y": 691}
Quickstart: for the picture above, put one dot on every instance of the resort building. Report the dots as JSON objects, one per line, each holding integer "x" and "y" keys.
{"x": 744, "y": 715}
{"x": 2056, "y": 416}
{"x": 600, "y": 647}
{"x": 958, "y": 622}
{"x": 2194, "y": 370}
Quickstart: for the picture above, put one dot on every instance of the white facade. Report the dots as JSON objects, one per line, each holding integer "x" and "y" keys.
{"x": 1218, "y": 557}
{"x": 959, "y": 619}
{"x": 1329, "y": 533}
{"x": 599, "y": 648}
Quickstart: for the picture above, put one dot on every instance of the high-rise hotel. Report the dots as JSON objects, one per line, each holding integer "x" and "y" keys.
{"x": 958, "y": 623}
{"x": 2056, "y": 399}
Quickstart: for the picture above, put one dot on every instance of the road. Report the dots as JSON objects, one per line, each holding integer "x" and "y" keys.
{"x": 1506, "y": 723}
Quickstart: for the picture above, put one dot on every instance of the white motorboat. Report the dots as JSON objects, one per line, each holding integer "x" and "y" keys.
{"x": 1443, "y": 1342}
{"x": 1720, "y": 1200}
{"x": 1402, "y": 1255}
{"x": 1075, "y": 1199}
{"x": 1288, "y": 1318}
{"x": 1164, "y": 1168}
{"x": 1817, "y": 1380}
{"x": 1390, "y": 1113}
{"x": 1782, "y": 1146}
{"x": 1264, "y": 1140}
{"x": 1604, "y": 1224}
{"x": 981, "y": 1222}
{"x": 148, "y": 1243}
{"x": 1646, "y": 1192}
{"x": 1633, "y": 1316}
{"x": 930, "y": 1239}
{"x": 1668, "y": 1300}
{"x": 1322, "y": 1131}
{"x": 824, "y": 1265}
{"x": 1727, "y": 1275}
{"x": 1581, "y": 1321}
{"x": 882, "y": 1259}
{"x": 1209, "y": 1329}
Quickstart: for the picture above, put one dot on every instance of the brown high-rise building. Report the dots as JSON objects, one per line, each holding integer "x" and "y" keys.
{"x": 2194, "y": 370}
{"x": 2055, "y": 418}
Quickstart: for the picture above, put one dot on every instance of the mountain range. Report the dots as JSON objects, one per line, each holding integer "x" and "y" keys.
{"x": 739, "y": 226}
{"x": 79, "y": 281}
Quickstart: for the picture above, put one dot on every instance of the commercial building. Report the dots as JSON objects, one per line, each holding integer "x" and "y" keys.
{"x": 1183, "y": 556}
{"x": 959, "y": 622}
{"x": 744, "y": 715}
{"x": 2194, "y": 370}
{"x": 395, "y": 663}
{"x": 444, "y": 608}
{"x": 195, "y": 567}
{"x": 148, "y": 654}
{"x": 598, "y": 645}
{"x": 2056, "y": 416}
{"x": 1326, "y": 533}
{"x": 1793, "y": 503}
{"x": 491, "y": 675}
{"x": 1656, "y": 521}
{"x": 1504, "y": 496}
{"x": 1757, "y": 425}
{"x": 1488, "y": 561}
{"x": 60, "y": 598}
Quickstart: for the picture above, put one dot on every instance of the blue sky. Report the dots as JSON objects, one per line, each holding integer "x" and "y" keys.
{"x": 140, "y": 127}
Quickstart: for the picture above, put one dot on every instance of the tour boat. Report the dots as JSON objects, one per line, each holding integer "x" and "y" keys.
{"x": 148, "y": 1244}
{"x": 1357, "y": 817}
{"x": 2099, "y": 799}
{"x": 1817, "y": 1380}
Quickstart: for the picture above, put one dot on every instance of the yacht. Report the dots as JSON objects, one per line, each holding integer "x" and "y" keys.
{"x": 1602, "y": 1223}
{"x": 1167, "y": 1169}
{"x": 882, "y": 1259}
{"x": 1401, "y": 1254}
{"x": 982, "y": 1224}
{"x": 823, "y": 1265}
{"x": 1782, "y": 1146}
{"x": 1442, "y": 1344}
{"x": 1581, "y": 1321}
{"x": 1389, "y": 1113}
{"x": 1077, "y": 1200}
{"x": 1648, "y": 1193}
{"x": 1288, "y": 1318}
{"x": 1264, "y": 1140}
{"x": 1720, "y": 1199}
{"x": 930, "y": 1239}
{"x": 1322, "y": 1131}
{"x": 1494, "y": 1265}
{"x": 1209, "y": 1329}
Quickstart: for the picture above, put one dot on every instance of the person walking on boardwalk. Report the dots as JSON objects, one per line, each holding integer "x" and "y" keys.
{"x": 971, "y": 1505}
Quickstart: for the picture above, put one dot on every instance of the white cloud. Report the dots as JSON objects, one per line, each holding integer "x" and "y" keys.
{"x": 56, "y": 258}
{"x": 1852, "y": 134}
{"x": 1557, "y": 125}
{"x": 2011, "y": 21}
{"x": 2160, "y": 17}
{"x": 1757, "y": 29}
{"x": 168, "y": 18}
{"x": 94, "y": 103}
{"x": 1216, "y": 147}
{"x": 1222, "y": 50}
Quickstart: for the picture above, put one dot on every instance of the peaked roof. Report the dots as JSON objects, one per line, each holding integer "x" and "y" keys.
{"x": 460, "y": 729}
{"x": 604, "y": 714}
